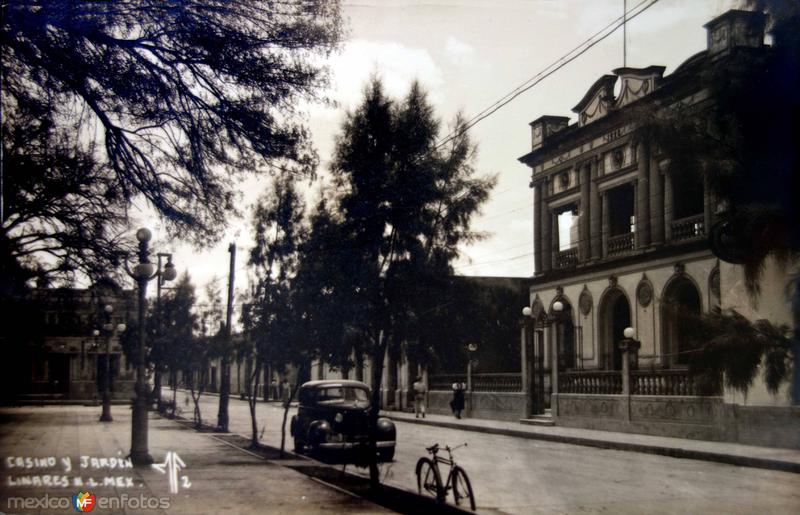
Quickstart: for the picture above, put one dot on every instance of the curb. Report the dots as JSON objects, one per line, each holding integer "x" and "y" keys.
{"x": 673, "y": 452}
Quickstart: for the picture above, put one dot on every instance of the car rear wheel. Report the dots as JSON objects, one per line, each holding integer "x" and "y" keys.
{"x": 299, "y": 446}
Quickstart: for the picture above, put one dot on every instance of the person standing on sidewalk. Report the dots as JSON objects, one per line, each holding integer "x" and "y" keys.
{"x": 419, "y": 397}
{"x": 457, "y": 404}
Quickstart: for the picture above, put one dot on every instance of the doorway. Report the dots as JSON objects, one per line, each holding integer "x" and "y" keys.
{"x": 615, "y": 316}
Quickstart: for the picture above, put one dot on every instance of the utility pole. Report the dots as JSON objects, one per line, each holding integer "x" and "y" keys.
{"x": 225, "y": 379}
{"x": 624, "y": 33}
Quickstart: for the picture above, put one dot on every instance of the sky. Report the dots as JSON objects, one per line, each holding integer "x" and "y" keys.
{"x": 468, "y": 54}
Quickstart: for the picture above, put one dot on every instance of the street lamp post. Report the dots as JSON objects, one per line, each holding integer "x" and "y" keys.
{"x": 558, "y": 310}
{"x": 109, "y": 329}
{"x": 142, "y": 273}
{"x": 168, "y": 273}
{"x": 630, "y": 349}
{"x": 472, "y": 348}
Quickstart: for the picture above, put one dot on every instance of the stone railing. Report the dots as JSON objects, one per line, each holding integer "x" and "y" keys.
{"x": 497, "y": 382}
{"x": 590, "y": 381}
{"x": 445, "y": 381}
{"x": 567, "y": 258}
{"x": 688, "y": 228}
{"x": 621, "y": 244}
{"x": 670, "y": 382}
{"x": 480, "y": 382}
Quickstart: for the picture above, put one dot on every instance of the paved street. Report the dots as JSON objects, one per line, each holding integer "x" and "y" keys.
{"x": 514, "y": 475}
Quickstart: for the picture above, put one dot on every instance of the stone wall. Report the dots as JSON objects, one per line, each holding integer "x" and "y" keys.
{"x": 486, "y": 405}
{"x": 698, "y": 418}
{"x": 770, "y": 426}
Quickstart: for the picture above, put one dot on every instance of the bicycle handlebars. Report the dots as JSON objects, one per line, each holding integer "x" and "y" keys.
{"x": 433, "y": 449}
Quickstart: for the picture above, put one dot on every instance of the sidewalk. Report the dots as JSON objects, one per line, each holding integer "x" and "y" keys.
{"x": 219, "y": 478}
{"x": 787, "y": 460}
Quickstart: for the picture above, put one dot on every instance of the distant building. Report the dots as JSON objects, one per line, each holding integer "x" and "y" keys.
{"x": 494, "y": 301}
{"x": 639, "y": 257}
{"x": 53, "y": 351}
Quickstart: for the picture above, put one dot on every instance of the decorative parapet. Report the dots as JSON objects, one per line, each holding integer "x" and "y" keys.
{"x": 598, "y": 100}
{"x": 637, "y": 83}
{"x": 544, "y": 127}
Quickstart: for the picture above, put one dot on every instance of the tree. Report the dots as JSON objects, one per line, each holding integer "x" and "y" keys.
{"x": 405, "y": 206}
{"x": 165, "y": 101}
{"x": 179, "y": 323}
{"x": 278, "y": 222}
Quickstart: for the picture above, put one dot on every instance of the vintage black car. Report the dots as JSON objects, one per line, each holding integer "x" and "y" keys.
{"x": 334, "y": 415}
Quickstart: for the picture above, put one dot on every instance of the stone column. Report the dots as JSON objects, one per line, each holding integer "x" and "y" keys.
{"x": 537, "y": 228}
{"x": 554, "y": 334}
{"x": 546, "y": 225}
{"x": 554, "y": 240}
{"x": 526, "y": 358}
{"x": 539, "y": 382}
{"x": 606, "y": 222}
{"x": 595, "y": 220}
{"x": 583, "y": 229}
{"x": 643, "y": 196}
{"x": 668, "y": 207}
{"x": 656, "y": 203}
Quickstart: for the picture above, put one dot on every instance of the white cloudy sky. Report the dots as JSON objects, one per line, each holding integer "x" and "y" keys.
{"x": 468, "y": 54}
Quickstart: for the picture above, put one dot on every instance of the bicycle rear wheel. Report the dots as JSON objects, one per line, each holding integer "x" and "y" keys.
{"x": 462, "y": 488}
{"x": 429, "y": 482}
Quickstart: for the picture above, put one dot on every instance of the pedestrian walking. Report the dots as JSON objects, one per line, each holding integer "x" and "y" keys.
{"x": 273, "y": 390}
{"x": 457, "y": 404}
{"x": 286, "y": 392}
{"x": 419, "y": 397}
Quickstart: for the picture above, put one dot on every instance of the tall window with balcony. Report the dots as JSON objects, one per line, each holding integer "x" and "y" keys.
{"x": 687, "y": 203}
{"x": 619, "y": 220}
{"x": 568, "y": 221}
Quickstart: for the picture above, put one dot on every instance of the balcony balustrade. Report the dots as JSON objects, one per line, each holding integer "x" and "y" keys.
{"x": 621, "y": 244}
{"x": 567, "y": 258}
{"x": 688, "y": 228}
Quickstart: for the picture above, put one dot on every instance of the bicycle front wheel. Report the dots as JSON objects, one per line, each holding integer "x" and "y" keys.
{"x": 429, "y": 482}
{"x": 462, "y": 488}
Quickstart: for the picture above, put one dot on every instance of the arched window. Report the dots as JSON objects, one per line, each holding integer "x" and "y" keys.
{"x": 680, "y": 303}
{"x": 564, "y": 329}
{"x": 615, "y": 316}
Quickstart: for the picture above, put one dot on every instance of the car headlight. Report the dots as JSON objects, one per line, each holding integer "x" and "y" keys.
{"x": 339, "y": 418}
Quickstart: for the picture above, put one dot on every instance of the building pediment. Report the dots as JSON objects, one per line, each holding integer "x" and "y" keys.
{"x": 636, "y": 83}
{"x": 598, "y": 100}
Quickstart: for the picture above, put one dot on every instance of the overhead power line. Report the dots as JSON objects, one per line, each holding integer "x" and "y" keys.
{"x": 567, "y": 58}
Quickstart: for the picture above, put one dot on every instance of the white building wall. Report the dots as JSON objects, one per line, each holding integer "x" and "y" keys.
{"x": 645, "y": 320}
{"x": 774, "y": 304}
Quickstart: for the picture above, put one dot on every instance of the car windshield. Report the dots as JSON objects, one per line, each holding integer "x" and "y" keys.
{"x": 342, "y": 395}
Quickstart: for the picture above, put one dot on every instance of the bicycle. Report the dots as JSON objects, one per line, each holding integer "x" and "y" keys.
{"x": 429, "y": 479}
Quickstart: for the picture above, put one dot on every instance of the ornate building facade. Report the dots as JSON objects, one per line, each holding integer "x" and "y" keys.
{"x": 622, "y": 242}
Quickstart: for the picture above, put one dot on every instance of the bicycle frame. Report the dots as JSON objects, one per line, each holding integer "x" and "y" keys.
{"x": 433, "y": 484}
{"x": 448, "y": 484}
